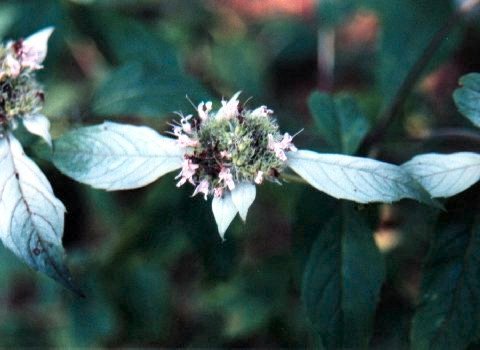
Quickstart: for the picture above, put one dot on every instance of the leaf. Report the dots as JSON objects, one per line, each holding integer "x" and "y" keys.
{"x": 38, "y": 125}
{"x": 449, "y": 312}
{"x": 342, "y": 281}
{"x": 445, "y": 175}
{"x": 467, "y": 98}
{"x": 407, "y": 28}
{"x": 339, "y": 121}
{"x": 141, "y": 90}
{"x": 148, "y": 81}
{"x": 224, "y": 211}
{"x": 358, "y": 179}
{"x": 113, "y": 156}
{"x": 243, "y": 196}
{"x": 32, "y": 220}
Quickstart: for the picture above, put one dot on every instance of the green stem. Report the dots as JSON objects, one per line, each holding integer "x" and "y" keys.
{"x": 294, "y": 178}
{"x": 388, "y": 115}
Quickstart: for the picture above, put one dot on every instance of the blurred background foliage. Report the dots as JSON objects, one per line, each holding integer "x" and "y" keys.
{"x": 150, "y": 261}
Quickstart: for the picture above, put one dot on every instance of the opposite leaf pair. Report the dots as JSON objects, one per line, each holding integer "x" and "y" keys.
{"x": 223, "y": 153}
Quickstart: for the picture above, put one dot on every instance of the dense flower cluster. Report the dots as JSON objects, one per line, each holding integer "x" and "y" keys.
{"x": 230, "y": 146}
{"x": 20, "y": 94}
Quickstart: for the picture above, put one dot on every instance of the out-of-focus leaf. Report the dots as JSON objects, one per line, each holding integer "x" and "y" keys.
{"x": 445, "y": 175}
{"x": 116, "y": 157}
{"x": 467, "y": 98}
{"x": 240, "y": 63}
{"x": 331, "y": 12}
{"x": 449, "y": 312}
{"x": 358, "y": 179}
{"x": 32, "y": 219}
{"x": 139, "y": 89}
{"x": 339, "y": 121}
{"x": 342, "y": 281}
{"x": 149, "y": 80}
{"x": 407, "y": 28}
{"x": 8, "y": 14}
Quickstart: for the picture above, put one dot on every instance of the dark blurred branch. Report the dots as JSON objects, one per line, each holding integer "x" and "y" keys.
{"x": 455, "y": 134}
{"x": 388, "y": 115}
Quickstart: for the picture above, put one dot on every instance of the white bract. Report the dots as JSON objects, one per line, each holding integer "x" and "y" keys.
{"x": 223, "y": 154}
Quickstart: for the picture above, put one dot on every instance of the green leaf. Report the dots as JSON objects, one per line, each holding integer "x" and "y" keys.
{"x": 149, "y": 81}
{"x": 342, "y": 281}
{"x": 467, "y": 98}
{"x": 362, "y": 180}
{"x": 449, "y": 312}
{"x": 138, "y": 89}
{"x": 116, "y": 157}
{"x": 445, "y": 175}
{"x": 32, "y": 219}
{"x": 339, "y": 121}
{"x": 407, "y": 28}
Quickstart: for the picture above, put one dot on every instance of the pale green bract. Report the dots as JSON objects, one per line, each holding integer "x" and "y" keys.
{"x": 445, "y": 175}
{"x": 224, "y": 211}
{"x": 358, "y": 179}
{"x": 32, "y": 220}
{"x": 113, "y": 156}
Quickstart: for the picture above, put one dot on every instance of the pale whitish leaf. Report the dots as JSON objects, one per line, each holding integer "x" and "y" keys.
{"x": 38, "y": 125}
{"x": 113, "y": 156}
{"x": 224, "y": 211}
{"x": 32, "y": 218}
{"x": 358, "y": 179}
{"x": 467, "y": 98}
{"x": 444, "y": 175}
{"x": 243, "y": 196}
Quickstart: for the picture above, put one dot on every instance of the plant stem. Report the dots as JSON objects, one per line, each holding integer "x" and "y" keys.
{"x": 293, "y": 178}
{"x": 388, "y": 115}
{"x": 456, "y": 134}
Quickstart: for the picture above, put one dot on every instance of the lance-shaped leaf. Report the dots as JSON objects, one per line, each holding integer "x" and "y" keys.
{"x": 113, "y": 156}
{"x": 445, "y": 175}
{"x": 342, "y": 281}
{"x": 243, "y": 196}
{"x": 32, "y": 218}
{"x": 448, "y": 316}
{"x": 339, "y": 121}
{"x": 224, "y": 211}
{"x": 358, "y": 179}
{"x": 467, "y": 98}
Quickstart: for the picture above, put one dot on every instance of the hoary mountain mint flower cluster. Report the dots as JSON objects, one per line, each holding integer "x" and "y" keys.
{"x": 21, "y": 95}
{"x": 231, "y": 146}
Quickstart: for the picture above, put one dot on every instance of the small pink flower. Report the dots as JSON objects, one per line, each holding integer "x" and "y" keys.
{"x": 188, "y": 170}
{"x": 186, "y": 126}
{"x": 202, "y": 188}
{"x": 11, "y": 66}
{"x": 287, "y": 144}
{"x": 229, "y": 110}
{"x": 185, "y": 141}
{"x": 280, "y": 147}
{"x": 218, "y": 192}
{"x": 204, "y": 109}
{"x": 225, "y": 154}
{"x": 262, "y": 111}
{"x": 227, "y": 178}
{"x": 259, "y": 178}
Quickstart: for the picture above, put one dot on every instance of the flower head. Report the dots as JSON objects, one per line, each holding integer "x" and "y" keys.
{"x": 21, "y": 97}
{"x": 230, "y": 150}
